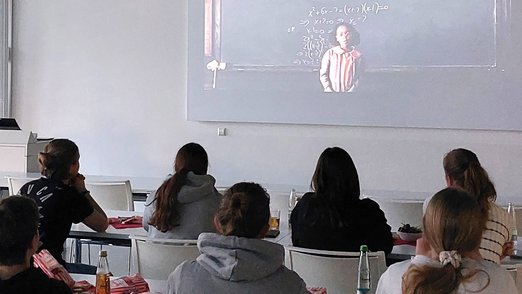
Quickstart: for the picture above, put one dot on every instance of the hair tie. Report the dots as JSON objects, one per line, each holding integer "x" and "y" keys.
{"x": 452, "y": 257}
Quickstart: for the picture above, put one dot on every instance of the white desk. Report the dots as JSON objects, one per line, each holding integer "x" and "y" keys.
{"x": 120, "y": 237}
{"x": 156, "y": 286}
{"x": 114, "y": 236}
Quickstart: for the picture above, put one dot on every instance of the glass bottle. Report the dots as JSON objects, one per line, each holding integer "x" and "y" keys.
{"x": 514, "y": 231}
{"x": 292, "y": 201}
{"x": 103, "y": 285}
{"x": 363, "y": 282}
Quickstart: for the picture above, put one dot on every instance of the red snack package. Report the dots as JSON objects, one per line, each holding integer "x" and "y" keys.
{"x": 50, "y": 266}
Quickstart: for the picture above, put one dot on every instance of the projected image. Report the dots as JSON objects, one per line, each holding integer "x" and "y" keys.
{"x": 341, "y": 65}
{"x": 331, "y": 46}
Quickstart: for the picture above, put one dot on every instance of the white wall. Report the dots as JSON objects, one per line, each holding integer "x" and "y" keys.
{"x": 110, "y": 75}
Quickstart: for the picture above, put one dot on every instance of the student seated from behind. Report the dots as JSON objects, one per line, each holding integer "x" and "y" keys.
{"x": 63, "y": 200}
{"x": 236, "y": 260}
{"x": 448, "y": 258}
{"x": 19, "y": 240}
{"x": 185, "y": 204}
{"x": 333, "y": 217}
{"x": 463, "y": 170}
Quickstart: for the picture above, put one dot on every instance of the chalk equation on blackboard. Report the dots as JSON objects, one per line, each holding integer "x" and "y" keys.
{"x": 318, "y": 23}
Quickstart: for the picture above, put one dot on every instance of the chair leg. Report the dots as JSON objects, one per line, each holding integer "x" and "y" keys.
{"x": 78, "y": 246}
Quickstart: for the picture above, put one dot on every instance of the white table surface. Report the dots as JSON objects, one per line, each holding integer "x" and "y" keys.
{"x": 81, "y": 230}
{"x": 156, "y": 286}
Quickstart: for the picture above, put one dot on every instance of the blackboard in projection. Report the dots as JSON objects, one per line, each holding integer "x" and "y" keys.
{"x": 394, "y": 33}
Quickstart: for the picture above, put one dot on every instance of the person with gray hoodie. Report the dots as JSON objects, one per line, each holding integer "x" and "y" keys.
{"x": 185, "y": 204}
{"x": 237, "y": 260}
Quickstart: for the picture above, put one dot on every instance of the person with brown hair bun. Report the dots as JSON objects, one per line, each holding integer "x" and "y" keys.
{"x": 63, "y": 199}
{"x": 236, "y": 260}
{"x": 463, "y": 170}
{"x": 333, "y": 217}
{"x": 447, "y": 256}
{"x": 185, "y": 204}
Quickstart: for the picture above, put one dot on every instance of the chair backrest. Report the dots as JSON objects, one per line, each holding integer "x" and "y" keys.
{"x": 400, "y": 212}
{"x": 114, "y": 195}
{"x": 14, "y": 184}
{"x": 337, "y": 271}
{"x": 157, "y": 258}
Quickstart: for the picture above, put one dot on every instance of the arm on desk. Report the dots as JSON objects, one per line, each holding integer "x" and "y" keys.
{"x": 97, "y": 220}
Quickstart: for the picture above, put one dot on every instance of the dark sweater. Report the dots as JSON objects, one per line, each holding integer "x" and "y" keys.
{"x": 33, "y": 281}
{"x": 361, "y": 222}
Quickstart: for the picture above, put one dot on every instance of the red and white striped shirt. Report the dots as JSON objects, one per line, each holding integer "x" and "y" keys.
{"x": 338, "y": 69}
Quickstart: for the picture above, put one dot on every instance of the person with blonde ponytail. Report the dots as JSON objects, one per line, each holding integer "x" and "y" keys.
{"x": 237, "y": 260}
{"x": 448, "y": 258}
{"x": 185, "y": 204}
{"x": 463, "y": 170}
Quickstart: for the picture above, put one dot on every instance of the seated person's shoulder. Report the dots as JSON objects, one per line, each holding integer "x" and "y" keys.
{"x": 367, "y": 202}
{"x": 33, "y": 281}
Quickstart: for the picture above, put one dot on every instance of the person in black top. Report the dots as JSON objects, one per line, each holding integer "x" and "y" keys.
{"x": 19, "y": 240}
{"x": 62, "y": 199}
{"x": 332, "y": 217}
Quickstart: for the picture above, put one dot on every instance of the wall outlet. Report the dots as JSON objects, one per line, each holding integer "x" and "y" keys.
{"x": 222, "y": 131}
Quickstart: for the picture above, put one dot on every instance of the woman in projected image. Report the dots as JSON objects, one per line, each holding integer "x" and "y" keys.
{"x": 341, "y": 65}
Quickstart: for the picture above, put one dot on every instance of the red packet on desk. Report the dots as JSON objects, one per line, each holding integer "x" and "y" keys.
{"x": 50, "y": 266}
{"x": 316, "y": 290}
{"x": 84, "y": 287}
{"x": 399, "y": 241}
{"x": 129, "y": 284}
{"x": 126, "y": 222}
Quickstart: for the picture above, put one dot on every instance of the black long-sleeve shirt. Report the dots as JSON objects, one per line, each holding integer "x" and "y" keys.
{"x": 361, "y": 222}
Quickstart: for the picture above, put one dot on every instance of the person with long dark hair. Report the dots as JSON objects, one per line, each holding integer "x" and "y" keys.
{"x": 333, "y": 217}
{"x": 63, "y": 199}
{"x": 185, "y": 204}
{"x": 236, "y": 260}
{"x": 447, "y": 256}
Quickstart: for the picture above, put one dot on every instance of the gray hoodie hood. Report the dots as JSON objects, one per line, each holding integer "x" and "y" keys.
{"x": 196, "y": 188}
{"x": 239, "y": 259}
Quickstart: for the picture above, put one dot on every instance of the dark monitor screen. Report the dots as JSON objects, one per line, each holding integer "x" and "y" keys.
{"x": 8, "y": 124}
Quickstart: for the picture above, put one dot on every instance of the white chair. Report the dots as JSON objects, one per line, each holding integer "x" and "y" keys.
{"x": 157, "y": 258}
{"x": 400, "y": 212}
{"x": 110, "y": 195}
{"x": 14, "y": 184}
{"x": 113, "y": 195}
{"x": 337, "y": 271}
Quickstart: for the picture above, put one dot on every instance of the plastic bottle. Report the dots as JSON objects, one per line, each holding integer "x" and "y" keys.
{"x": 103, "y": 285}
{"x": 514, "y": 231}
{"x": 363, "y": 282}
